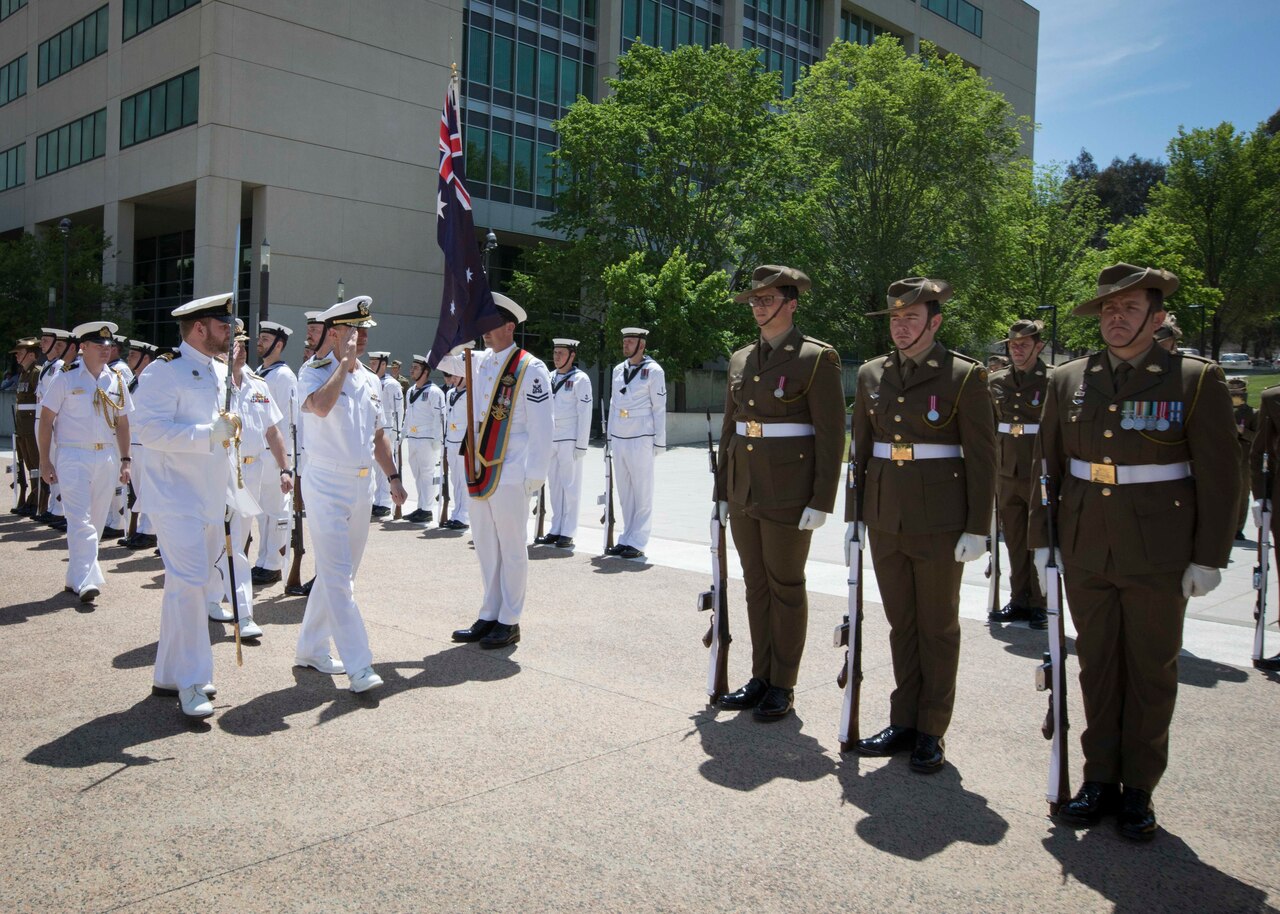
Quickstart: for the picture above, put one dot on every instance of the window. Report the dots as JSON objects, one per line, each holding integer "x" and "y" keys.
{"x": 503, "y": 63}
{"x": 961, "y": 12}
{"x": 526, "y": 69}
{"x": 568, "y": 81}
{"x": 78, "y": 43}
{"x": 477, "y": 163}
{"x": 13, "y": 166}
{"x": 500, "y": 159}
{"x": 9, "y": 7}
{"x": 140, "y": 15}
{"x": 525, "y": 166}
{"x": 72, "y": 144}
{"x": 547, "y": 76}
{"x": 477, "y": 56}
{"x": 13, "y": 80}
{"x": 546, "y": 170}
{"x": 162, "y": 109}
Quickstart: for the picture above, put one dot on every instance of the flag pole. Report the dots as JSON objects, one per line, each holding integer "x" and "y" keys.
{"x": 472, "y": 471}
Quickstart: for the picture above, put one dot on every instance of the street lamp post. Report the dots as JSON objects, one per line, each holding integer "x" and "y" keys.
{"x": 264, "y": 282}
{"x": 65, "y": 227}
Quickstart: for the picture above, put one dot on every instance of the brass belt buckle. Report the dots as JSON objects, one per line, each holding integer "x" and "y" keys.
{"x": 902, "y": 452}
{"x": 754, "y": 430}
{"x": 99, "y": 446}
{"x": 623, "y": 414}
{"x": 249, "y": 460}
{"x": 1102, "y": 472}
{"x": 364, "y": 471}
{"x": 1016, "y": 430}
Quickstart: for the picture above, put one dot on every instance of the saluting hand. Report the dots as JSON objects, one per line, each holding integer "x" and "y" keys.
{"x": 350, "y": 357}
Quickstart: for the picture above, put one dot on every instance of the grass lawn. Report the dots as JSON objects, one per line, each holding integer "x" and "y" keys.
{"x": 1258, "y": 383}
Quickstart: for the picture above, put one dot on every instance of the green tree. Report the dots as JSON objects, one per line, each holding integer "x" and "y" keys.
{"x": 894, "y": 167}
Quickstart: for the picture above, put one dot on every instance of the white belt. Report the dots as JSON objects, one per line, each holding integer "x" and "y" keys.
{"x": 891, "y": 451}
{"x": 335, "y": 467}
{"x": 26, "y": 407}
{"x": 87, "y": 445}
{"x": 1110, "y": 474}
{"x": 1017, "y": 429}
{"x": 753, "y": 429}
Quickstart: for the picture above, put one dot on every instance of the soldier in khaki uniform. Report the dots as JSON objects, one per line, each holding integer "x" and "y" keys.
{"x": 1246, "y": 430}
{"x": 924, "y": 455}
{"x": 1138, "y": 532}
{"x": 1019, "y": 392}
{"x": 779, "y": 467}
{"x": 27, "y": 352}
{"x": 1267, "y": 441}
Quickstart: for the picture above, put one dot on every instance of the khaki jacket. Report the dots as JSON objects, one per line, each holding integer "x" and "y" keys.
{"x": 1267, "y": 440}
{"x": 925, "y": 496}
{"x": 1143, "y": 528}
{"x": 1019, "y": 400}
{"x": 792, "y": 472}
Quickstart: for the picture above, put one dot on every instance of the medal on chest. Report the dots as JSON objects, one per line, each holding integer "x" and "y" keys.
{"x": 933, "y": 415}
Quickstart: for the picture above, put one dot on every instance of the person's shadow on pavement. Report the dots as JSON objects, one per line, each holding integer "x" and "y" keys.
{"x": 743, "y": 753}
{"x": 107, "y": 739}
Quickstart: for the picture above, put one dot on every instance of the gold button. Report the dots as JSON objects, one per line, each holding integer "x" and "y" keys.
{"x": 1108, "y": 434}
{"x": 1018, "y": 394}
{"x": 1177, "y": 504}
{"x": 899, "y": 463}
{"x": 751, "y": 403}
{"x": 1106, "y": 459}
{"x": 756, "y": 378}
{"x": 802, "y": 456}
{"x": 751, "y": 447}
{"x": 1106, "y": 491}
{"x": 897, "y": 418}
{"x": 1112, "y": 408}
{"x": 897, "y": 437}
{"x": 902, "y": 399}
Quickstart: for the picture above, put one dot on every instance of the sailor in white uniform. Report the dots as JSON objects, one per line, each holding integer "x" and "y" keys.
{"x": 637, "y": 434}
{"x": 277, "y": 509}
{"x": 424, "y": 437}
{"x": 118, "y": 516}
{"x": 572, "y": 403}
{"x": 392, "y": 397}
{"x": 60, "y": 349}
{"x": 141, "y": 354}
{"x": 455, "y": 431}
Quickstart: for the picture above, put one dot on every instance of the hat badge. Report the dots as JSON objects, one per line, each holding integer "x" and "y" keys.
{"x": 104, "y": 332}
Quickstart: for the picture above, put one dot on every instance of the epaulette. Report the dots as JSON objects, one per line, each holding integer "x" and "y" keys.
{"x": 322, "y": 363}
{"x": 999, "y": 372}
{"x": 71, "y": 366}
{"x": 963, "y": 357}
{"x": 253, "y": 374}
{"x": 1194, "y": 358}
{"x": 169, "y": 356}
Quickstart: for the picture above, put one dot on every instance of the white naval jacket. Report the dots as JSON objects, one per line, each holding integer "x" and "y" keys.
{"x": 283, "y": 384}
{"x": 528, "y": 450}
{"x": 424, "y": 413}
{"x": 72, "y": 396}
{"x": 175, "y": 407}
{"x": 639, "y": 405}
{"x": 253, "y": 403}
{"x": 571, "y": 396}
{"x": 345, "y": 435}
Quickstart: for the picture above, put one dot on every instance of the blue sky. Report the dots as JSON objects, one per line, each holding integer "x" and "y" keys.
{"x": 1119, "y": 76}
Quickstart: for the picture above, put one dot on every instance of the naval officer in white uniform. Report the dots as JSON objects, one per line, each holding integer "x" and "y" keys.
{"x": 637, "y": 434}
{"x": 273, "y": 523}
{"x": 571, "y": 403}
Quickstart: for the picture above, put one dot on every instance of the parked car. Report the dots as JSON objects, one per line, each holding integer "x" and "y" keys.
{"x": 1234, "y": 360}
{"x": 1188, "y": 350}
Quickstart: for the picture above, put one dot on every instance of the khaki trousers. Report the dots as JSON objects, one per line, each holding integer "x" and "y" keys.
{"x": 1013, "y": 497}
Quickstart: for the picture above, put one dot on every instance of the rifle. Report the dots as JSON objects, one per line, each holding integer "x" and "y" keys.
{"x": 16, "y": 467}
{"x": 607, "y": 498}
{"x": 848, "y": 634}
{"x": 717, "y": 638}
{"x": 1262, "y": 571}
{"x": 133, "y": 515}
{"x": 540, "y": 512}
{"x": 444, "y": 482}
{"x": 1051, "y": 675}
{"x": 226, "y": 411}
{"x": 993, "y": 563}
{"x": 395, "y": 417}
{"x": 293, "y": 586}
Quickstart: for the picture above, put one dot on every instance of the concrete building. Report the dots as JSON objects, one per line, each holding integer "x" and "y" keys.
{"x": 172, "y": 122}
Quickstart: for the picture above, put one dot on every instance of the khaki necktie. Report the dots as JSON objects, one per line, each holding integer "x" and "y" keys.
{"x": 907, "y": 367}
{"x": 1123, "y": 370}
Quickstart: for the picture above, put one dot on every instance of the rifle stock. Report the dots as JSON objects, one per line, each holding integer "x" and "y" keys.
{"x": 540, "y": 511}
{"x": 133, "y": 515}
{"x": 444, "y": 483}
{"x": 1051, "y": 675}
{"x": 849, "y": 633}
{"x": 1262, "y": 573}
{"x": 993, "y": 564}
{"x": 717, "y": 638}
{"x": 398, "y": 513}
{"x": 607, "y": 498}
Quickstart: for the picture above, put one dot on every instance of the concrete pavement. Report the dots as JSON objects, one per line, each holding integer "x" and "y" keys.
{"x": 580, "y": 770}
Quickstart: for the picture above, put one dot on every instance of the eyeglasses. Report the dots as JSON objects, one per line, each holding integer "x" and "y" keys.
{"x": 764, "y": 301}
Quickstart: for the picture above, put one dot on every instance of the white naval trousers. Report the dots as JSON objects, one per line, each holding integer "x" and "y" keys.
{"x": 55, "y": 488}
{"x": 500, "y": 529}
{"x": 422, "y": 455}
{"x": 273, "y": 522}
{"x": 188, "y": 547}
{"x": 458, "y": 483}
{"x": 219, "y": 581}
{"x": 633, "y": 470}
{"x": 338, "y": 504}
{"x": 88, "y": 480}
{"x": 564, "y": 488}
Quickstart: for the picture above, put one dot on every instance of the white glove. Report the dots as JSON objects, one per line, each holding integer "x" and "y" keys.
{"x": 531, "y": 486}
{"x": 970, "y": 546}
{"x": 861, "y": 528}
{"x": 1199, "y": 580}
{"x": 723, "y": 508}
{"x": 579, "y": 453}
{"x": 1041, "y": 561}
{"x": 225, "y": 428}
{"x": 812, "y": 519}
{"x": 1258, "y": 507}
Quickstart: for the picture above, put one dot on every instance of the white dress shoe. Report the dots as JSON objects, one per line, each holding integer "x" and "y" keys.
{"x": 89, "y": 594}
{"x": 219, "y": 613}
{"x": 323, "y": 664}
{"x": 194, "y": 702}
{"x": 158, "y": 688}
{"x": 365, "y": 680}
{"x": 249, "y": 628}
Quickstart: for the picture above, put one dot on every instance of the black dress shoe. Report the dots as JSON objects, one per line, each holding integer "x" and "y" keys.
{"x": 776, "y": 704}
{"x": 564, "y": 542}
{"x": 380, "y": 511}
{"x": 455, "y": 525}
{"x": 1010, "y": 612}
{"x": 478, "y": 630}
{"x": 110, "y": 533}
{"x": 1271, "y": 664}
{"x": 614, "y": 550}
{"x": 548, "y": 539}
{"x": 262, "y": 576}
{"x": 629, "y": 552}
{"x": 501, "y": 635}
{"x": 746, "y": 697}
{"x": 1094, "y": 800}
{"x": 417, "y": 517}
{"x": 139, "y": 541}
{"x": 1039, "y": 619}
{"x": 929, "y": 755}
{"x": 1137, "y": 815}
{"x": 888, "y": 741}
{"x": 59, "y": 524}
{"x": 45, "y": 516}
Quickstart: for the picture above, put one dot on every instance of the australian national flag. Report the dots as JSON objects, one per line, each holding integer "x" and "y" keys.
{"x": 467, "y": 309}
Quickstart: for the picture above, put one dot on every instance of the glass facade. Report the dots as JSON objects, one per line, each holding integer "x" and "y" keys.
{"x": 667, "y": 24}
{"x": 164, "y": 272}
{"x": 76, "y": 44}
{"x": 9, "y": 7}
{"x": 13, "y": 80}
{"x": 71, "y": 144}
{"x": 857, "y": 30}
{"x": 526, "y": 63}
{"x": 788, "y": 34}
{"x": 140, "y": 15}
{"x": 961, "y": 12}
{"x": 170, "y": 106}
{"x": 13, "y": 167}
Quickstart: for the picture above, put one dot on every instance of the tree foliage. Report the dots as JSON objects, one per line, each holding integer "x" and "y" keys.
{"x": 1123, "y": 187}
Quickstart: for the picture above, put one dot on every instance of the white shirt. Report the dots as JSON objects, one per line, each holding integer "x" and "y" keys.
{"x": 81, "y": 412}
{"x": 345, "y": 435}
{"x": 283, "y": 384}
{"x": 571, "y": 399}
{"x": 528, "y": 448}
{"x": 175, "y": 407}
{"x": 639, "y": 405}
{"x": 455, "y": 415}
{"x": 424, "y": 412}
{"x": 47, "y": 374}
{"x": 392, "y": 403}
{"x": 253, "y": 403}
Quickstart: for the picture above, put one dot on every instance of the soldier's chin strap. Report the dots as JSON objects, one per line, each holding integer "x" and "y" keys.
{"x": 1141, "y": 327}
{"x": 773, "y": 315}
{"x": 912, "y": 344}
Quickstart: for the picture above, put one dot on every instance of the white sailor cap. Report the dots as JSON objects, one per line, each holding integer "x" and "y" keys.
{"x": 121, "y": 339}
{"x": 514, "y": 311}
{"x": 566, "y": 343}
{"x": 216, "y": 306}
{"x": 452, "y": 365}
{"x": 635, "y": 331}
{"x": 354, "y": 312}
{"x": 374, "y": 356}
{"x": 55, "y": 333}
{"x": 313, "y": 317}
{"x": 95, "y": 332}
{"x": 143, "y": 347}
{"x": 277, "y": 329}
{"x": 421, "y": 359}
